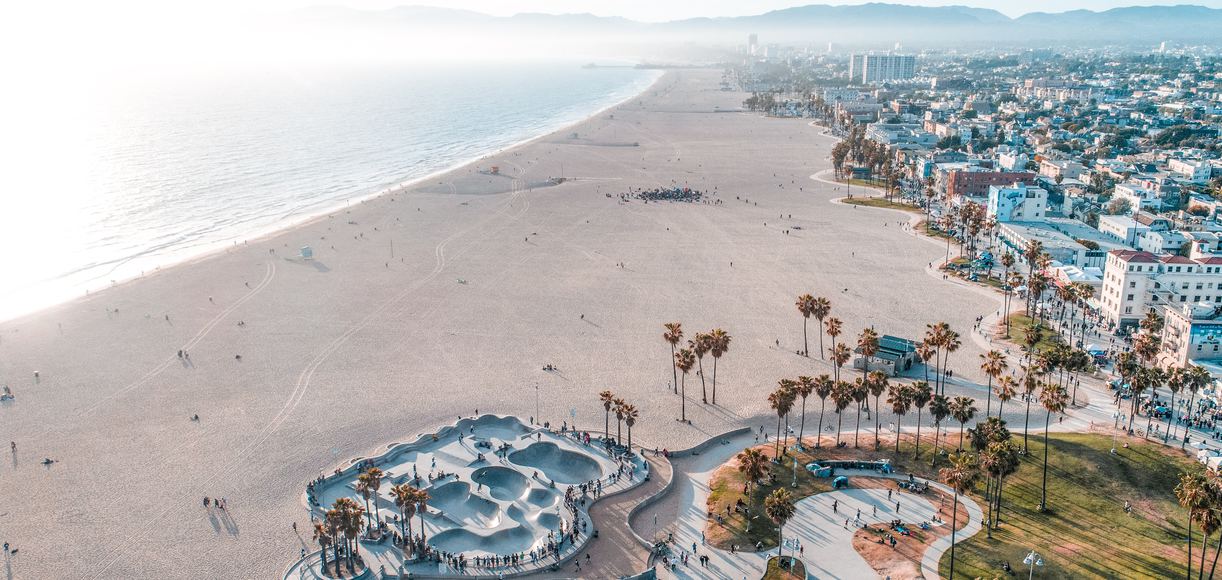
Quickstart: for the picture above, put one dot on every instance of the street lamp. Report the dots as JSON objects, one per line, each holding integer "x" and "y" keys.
{"x": 537, "y": 418}
{"x": 1032, "y": 560}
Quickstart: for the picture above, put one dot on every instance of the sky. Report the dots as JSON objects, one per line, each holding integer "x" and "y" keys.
{"x": 661, "y": 10}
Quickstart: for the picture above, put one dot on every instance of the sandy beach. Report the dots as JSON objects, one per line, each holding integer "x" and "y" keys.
{"x": 425, "y": 305}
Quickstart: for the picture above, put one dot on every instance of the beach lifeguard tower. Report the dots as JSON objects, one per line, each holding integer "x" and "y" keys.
{"x": 307, "y": 253}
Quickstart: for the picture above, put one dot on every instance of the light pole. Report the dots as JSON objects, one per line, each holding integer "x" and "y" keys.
{"x": 1032, "y": 560}
{"x": 537, "y": 418}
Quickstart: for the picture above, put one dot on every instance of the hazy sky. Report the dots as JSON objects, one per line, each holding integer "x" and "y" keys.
{"x": 655, "y": 10}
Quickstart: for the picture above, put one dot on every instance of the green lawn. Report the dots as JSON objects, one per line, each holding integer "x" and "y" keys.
{"x": 775, "y": 572}
{"x": 1019, "y": 323}
{"x": 881, "y": 202}
{"x": 1086, "y": 532}
{"x": 924, "y": 227}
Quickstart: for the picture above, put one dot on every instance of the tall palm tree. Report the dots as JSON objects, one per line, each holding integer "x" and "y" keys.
{"x": 939, "y": 409}
{"x": 900, "y": 399}
{"x": 754, "y": 465}
{"x": 720, "y": 344}
{"x": 867, "y": 345}
{"x": 961, "y": 475}
{"x": 700, "y": 345}
{"x": 375, "y": 481}
{"x": 823, "y": 389}
{"x": 994, "y": 363}
{"x": 781, "y": 400}
{"x": 1209, "y": 522}
{"x": 779, "y": 507}
{"x": 1196, "y": 378}
{"x": 631, "y": 414}
{"x": 1003, "y": 462}
{"x": 352, "y": 522}
{"x": 822, "y": 307}
{"x": 684, "y": 360}
{"x": 673, "y": 334}
{"x": 1192, "y": 492}
{"x": 422, "y": 507}
{"x": 1030, "y": 385}
{"x": 1175, "y": 382}
{"x": 925, "y": 351}
{"x": 935, "y": 336}
{"x": 323, "y": 537}
{"x": 608, "y": 399}
{"x": 334, "y": 519}
{"x": 842, "y": 397}
{"x": 806, "y": 307}
{"x": 833, "y": 327}
{"x": 618, "y": 409}
{"x": 365, "y": 489}
{"x": 861, "y": 393}
{"x": 950, "y": 345}
{"x": 963, "y": 409}
{"x": 1007, "y": 387}
{"x": 803, "y": 387}
{"x": 840, "y": 356}
{"x": 921, "y": 396}
{"x": 403, "y": 495}
{"x": 878, "y": 385}
{"x": 1053, "y": 398}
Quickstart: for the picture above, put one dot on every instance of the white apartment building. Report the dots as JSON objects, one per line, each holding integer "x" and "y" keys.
{"x": 1017, "y": 203}
{"x": 877, "y": 68}
{"x": 1194, "y": 170}
{"x": 1051, "y": 168}
{"x": 1139, "y": 195}
{"x": 1190, "y": 332}
{"x": 1012, "y": 161}
{"x": 1134, "y": 282}
{"x": 1123, "y": 229}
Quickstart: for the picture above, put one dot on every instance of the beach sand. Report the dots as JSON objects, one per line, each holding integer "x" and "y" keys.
{"x": 376, "y": 340}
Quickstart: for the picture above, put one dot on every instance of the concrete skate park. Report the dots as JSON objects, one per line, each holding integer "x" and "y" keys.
{"x": 497, "y": 487}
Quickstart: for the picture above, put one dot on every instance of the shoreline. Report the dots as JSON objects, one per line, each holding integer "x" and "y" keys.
{"x": 75, "y": 292}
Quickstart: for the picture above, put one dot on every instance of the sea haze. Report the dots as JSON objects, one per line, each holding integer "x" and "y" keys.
{"x": 135, "y": 171}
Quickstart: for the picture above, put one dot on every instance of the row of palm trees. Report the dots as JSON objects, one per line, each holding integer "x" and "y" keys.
{"x": 343, "y": 523}
{"x": 716, "y": 342}
{"x": 625, "y": 414}
{"x": 1201, "y": 495}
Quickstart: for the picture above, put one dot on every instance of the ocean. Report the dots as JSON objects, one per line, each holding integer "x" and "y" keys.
{"x": 127, "y": 173}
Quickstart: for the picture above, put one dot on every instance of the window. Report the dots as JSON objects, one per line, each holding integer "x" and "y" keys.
{"x": 1130, "y": 297}
{"x": 1183, "y": 297}
{"x": 1128, "y": 309}
{"x": 1132, "y": 284}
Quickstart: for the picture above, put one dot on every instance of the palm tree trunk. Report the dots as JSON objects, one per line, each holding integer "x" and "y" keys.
{"x": 607, "y": 423}
{"x": 1184, "y": 440}
{"x": 1170, "y": 414}
{"x": 819, "y": 436}
{"x": 776, "y": 453}
{"x": 1214, "y": 566}
{"x": 821, "y": 355}
{"x": 988, "y": 401}
{"x": 962, "y": 427}
{"x": 805, "y": 346}
{"x": 877, "y": 420}
{"x": 997, "y": 510}
{"x": 618, "y": 430}
{"x": 988, "y": 497}
{"x": 704, "y": 394}
{"x": 674, "y": 369}
{"x": 1044, "y": 483}
{"x": 839, "y": 416}
{"x": 954, "y": 518}
{"x": 1026, "y": 422}
{"x": 802, "y": 425}
{"x": 1204, "y": 548}
{"x": 630, "y": 439}
{"x": 937, "y": 430}
{"x": 1190, "y": 512}
{"x": 917, "y": 455}
{"x": 683, "y": 400}
{"x": 715, "y": 380}
{"x": 898, "y": 418}
{"x": 857, "y": 433}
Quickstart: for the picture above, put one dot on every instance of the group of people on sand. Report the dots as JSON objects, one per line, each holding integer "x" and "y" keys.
{"x": 673, "y": 193}
{"x": 217, "y": 502}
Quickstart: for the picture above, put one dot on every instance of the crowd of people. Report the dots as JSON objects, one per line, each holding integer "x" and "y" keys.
{"x": 673, "y": 193}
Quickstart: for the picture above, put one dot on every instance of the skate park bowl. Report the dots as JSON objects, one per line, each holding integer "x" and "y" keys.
{"x": 455, "y": 500}
{"x": 559, "y": 465}
{"x": 502, "y": 483}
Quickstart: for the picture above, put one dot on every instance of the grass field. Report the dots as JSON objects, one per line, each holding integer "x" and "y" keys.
{"x": 1019, "y": 323}
{"x": 881, "y": 202}
{"x": 1086, "y": 532}
{"x": 775, "y": 572}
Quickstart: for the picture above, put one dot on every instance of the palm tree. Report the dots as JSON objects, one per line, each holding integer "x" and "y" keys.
{"x": 822, "y": 307}
{"x": 684, "y": 361}
{"x": 720, "y": 344}
{"x": 1196, "y": 379}
{"x": 403, "y": 494}
{"x": 935, "y": 337}
{"x": 806, "y": 307}
{"x": 963, "y": 409}
{"x": 842, "y": 397}
{"x": 781, "y": 400}
{"x": 1175, "y": 381}
{"x": 422, "y": 507}
{"x": 925, "y": 351}
{"x": 840, "y": 356}
{"x": 700, "y": 345}
{"x": 608, "y": 399}
{"x": 753, "y": 464}
{"x": 334, "y": 520}
{"x": 1208, "y": 520}
{"x": 833, "y": 327}
{"x": 779, "y": 507}
{"x": 619, "y": 417}
{"x": 1054, "y": 398}
{"x": 631, "y": 414}
{"x": 375, "y": 484}
{"x": 365, "y": 489}
{"x": 1030, "y": 385}
{"x": 861, "y": 392}
{"x": 803, "y": 388}
{"x": 878, "y": 385}
{"x": 323, "y": 537}
{"x": 1007, "y": 387}
{"x": 950, "y": 345}
{"x": 1003, "y": 462}
{"x": 939, "y": 409}
{"x": 994, "y": 364}
{"x": 900, "y": 399}
{"x": 961, "y": 476}
{"x": 673, "y": 334}
{"x": 921, "y": 396}
{"x": 867, "y": 344}
{"x": 352, "y": 522}
{"x": 823, "y": 389}
{"x": 1193, "y": 493}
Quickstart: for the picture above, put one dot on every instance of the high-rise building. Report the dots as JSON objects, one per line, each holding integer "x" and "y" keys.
{"x": 753, "y": 43}
{"x": 877, "y": 68}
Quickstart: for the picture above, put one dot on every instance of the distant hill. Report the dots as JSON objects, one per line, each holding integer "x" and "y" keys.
{"x": 857, "y": 24}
